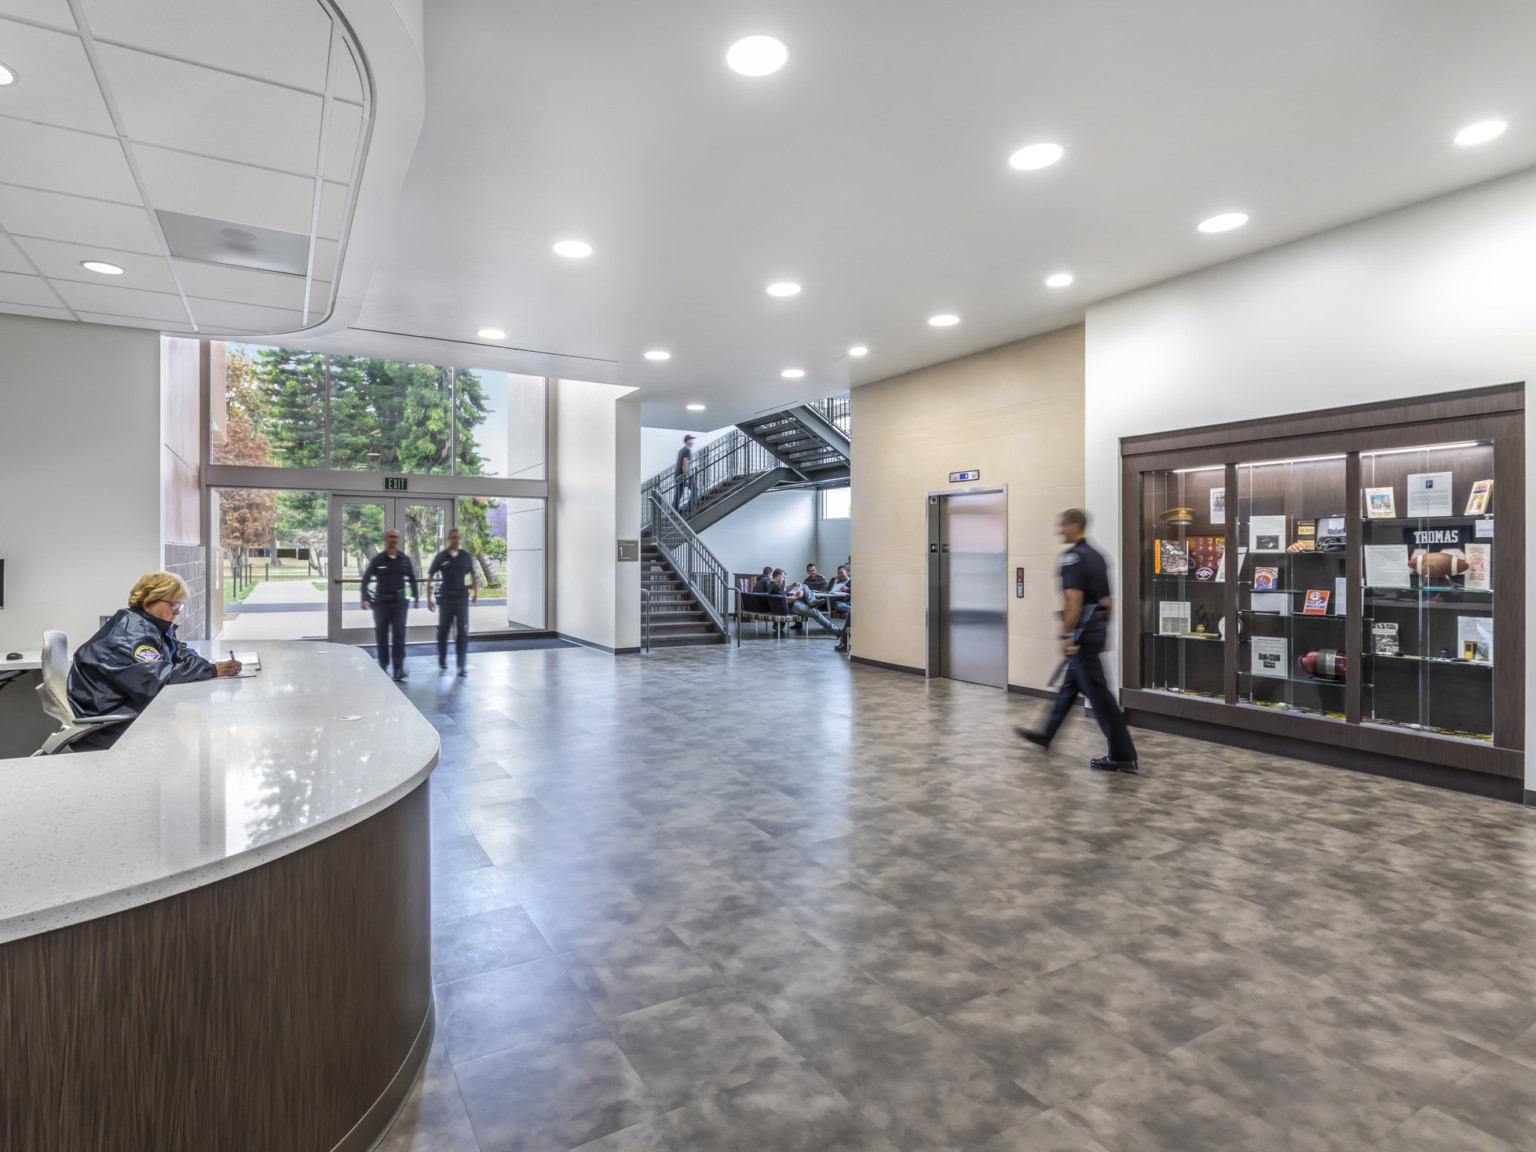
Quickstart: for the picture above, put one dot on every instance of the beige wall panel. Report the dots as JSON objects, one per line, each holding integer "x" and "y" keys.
{"x": 1016, "y": 413}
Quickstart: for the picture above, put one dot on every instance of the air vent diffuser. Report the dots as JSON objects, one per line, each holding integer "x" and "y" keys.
{"x": 240, "y": 245}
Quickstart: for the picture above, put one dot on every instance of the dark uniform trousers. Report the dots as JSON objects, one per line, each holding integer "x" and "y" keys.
{"x": 453, "y": 610}
{"x": 1085, "y": 676}
{"x": 389, "y": 632}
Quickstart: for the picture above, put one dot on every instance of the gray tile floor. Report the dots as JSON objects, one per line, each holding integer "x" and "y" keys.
{"x": 764, "y": 900}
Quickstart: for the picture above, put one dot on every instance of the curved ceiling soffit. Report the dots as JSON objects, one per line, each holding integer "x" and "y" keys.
{"x": 384, "y": 38}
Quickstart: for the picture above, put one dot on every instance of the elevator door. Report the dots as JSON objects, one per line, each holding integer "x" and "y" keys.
{"x": 969, "y": 616}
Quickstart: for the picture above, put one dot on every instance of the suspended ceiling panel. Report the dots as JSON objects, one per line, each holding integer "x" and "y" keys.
{"x": 248, "y": 115}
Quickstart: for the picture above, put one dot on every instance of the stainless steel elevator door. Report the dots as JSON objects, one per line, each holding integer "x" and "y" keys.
{"x": 973, "y": 588}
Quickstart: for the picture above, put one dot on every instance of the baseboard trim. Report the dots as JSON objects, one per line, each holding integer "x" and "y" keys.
{"x": 889, "y": 667}
{"x": 1037, "y": 693}
{"x": 594, "y": 645}
{"x": 1530, "y": 799}
{"x": 635, "y": 651}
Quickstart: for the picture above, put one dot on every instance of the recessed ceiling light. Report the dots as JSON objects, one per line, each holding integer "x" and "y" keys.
{"x": 784, "y": 288}
{"x": 1225, "y": 222}
{"x": 858, "y": 350}
{"x": 1059, "y": 280}
{"x": 658, "y": 354}
{"x": 1036, "y": 156}
{"x": 101, "y": 267}
{"x": 944, "y": 320}
{"x": 695, "y": 407}
{"x": 491, "y": 334}
{"x": 575, "y": 249}
{"x": 7, "y": 76}
{"x": 1481, "y": 132}
{"x": 757, "y": 55}
{"x": 792, "y": 373}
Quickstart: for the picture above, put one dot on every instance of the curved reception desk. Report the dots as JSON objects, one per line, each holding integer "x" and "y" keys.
{"x": 216, "y": 935}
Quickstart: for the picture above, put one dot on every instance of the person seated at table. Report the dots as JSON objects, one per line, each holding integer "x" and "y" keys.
{"x": 840, "y": 584}
{"x": 814, "y": 579}
{"x": 802, "y": 602}
{"x": 134, "y": 655}
{"x": 844, "y": 584}
{"x": 760, "y": 585}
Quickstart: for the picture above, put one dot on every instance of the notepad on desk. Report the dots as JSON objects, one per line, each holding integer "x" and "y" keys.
{"x": 250, "y": 662}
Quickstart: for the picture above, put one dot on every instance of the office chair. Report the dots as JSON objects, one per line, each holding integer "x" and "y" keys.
{"x": 54, "y": 691}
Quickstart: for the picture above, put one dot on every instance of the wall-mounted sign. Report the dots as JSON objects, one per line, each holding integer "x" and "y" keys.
{"x": 1018, "y": 583}
{"x": 629, "y": 549}
{"x": 394, "y": 483}
{"x": 961, "y": 477}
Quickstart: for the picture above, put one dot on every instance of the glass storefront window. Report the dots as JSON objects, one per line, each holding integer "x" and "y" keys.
{"x": 271, "y": 572}
{"x": 506, "y": 537}
{"x": 390, "y": 416}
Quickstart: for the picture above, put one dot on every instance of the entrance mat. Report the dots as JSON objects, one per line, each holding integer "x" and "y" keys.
{"x": 511, "y": 644}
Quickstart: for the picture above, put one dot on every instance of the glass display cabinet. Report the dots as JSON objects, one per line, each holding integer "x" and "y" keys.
{"x": 1322, "y": 585}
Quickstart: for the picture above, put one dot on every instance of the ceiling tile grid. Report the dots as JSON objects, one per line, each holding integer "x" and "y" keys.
{"x": 213, "y": 110}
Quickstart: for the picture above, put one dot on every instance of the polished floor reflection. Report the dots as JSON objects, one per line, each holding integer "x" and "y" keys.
{"x": 716, "y": 899}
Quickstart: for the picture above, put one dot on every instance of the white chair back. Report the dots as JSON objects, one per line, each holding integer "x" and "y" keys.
{"x": 54, "y": 690}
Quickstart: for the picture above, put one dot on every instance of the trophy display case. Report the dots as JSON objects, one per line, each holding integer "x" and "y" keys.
{"x": 1323, "y": 586}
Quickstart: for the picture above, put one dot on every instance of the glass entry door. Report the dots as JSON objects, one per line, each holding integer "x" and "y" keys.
{"x": 357, "y": 527}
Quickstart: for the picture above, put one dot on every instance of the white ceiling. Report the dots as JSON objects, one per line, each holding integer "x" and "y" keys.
{"x": 873, "y": 170}
{"x": 212, "y": 108}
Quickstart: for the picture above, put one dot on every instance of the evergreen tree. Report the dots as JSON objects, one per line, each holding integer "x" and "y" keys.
{"x": 293, "y": 384}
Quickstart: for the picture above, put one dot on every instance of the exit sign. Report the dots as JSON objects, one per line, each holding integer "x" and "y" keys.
{"x": 394, "y": 483}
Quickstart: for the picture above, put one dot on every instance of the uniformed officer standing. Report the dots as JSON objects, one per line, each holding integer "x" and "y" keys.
{"x": 391, "y": 569}
{"x": 1085, "y": 611}
{"x": 459, "y": 588}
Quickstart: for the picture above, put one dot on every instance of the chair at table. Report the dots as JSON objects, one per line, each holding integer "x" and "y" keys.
{"x": 54, "y": 692}
{"x": 759, "y": 607}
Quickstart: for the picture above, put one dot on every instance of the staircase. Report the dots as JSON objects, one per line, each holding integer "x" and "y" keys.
{"x": 688, "y": 589}
{"x": 677, "y": 617}
{"x": 802, "y": 446}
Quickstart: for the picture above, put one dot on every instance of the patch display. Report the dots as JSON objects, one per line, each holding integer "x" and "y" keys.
{"x": 147, "y": 654}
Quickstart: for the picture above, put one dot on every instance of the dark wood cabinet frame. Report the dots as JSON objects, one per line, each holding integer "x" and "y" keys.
{"x": 1496, "y": 414}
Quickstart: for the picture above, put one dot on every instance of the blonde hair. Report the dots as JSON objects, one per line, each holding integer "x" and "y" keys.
{"x": 153, "y": 587}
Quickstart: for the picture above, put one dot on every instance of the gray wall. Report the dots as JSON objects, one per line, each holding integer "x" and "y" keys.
{"x": 79, "y": 473}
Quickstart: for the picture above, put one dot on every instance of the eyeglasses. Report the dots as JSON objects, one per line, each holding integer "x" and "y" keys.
{"x": 175, "y": 605}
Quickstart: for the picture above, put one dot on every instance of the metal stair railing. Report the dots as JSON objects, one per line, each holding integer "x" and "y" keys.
{"x": 699, "y": 568}
{"x": 732, "y": 457}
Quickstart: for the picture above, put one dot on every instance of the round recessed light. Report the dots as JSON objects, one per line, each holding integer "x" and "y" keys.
{"x": 757, "y": 55}
{"x": 658, "y": 354}
{"x": 101, "y": 267}
{"x": 1058, "y": 280}
{"x": 1481, "y": 132}
{"x": 784, "y": 288}
{"x": 1225, "y": 222}
{"x": 575, "y": 249}
{"x": 858, "y": 350}
{"x": 1036, "y": 156}
{"x": 491, "y": 334}
{"x": 695, "y": 407}
{"x": 792, "y": 373}
{"x": 7, "y": 75}
{"x": 944, "y": 320}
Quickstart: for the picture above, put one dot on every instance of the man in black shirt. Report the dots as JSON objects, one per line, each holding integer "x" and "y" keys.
{"x": 760, "y": 585}
{"x": 684, "y": 473}
{"x": 460, "y": 587}
{"x": 1085, "y": 610}
{"x": 391, "y": 569}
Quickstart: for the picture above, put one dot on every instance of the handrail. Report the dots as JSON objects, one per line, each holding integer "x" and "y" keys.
{"x": 645, "y": 620}
{"x": 734, "y": 456}
{"x": 699, "y": 568}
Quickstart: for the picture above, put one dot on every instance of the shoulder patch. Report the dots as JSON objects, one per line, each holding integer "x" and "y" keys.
{"x": 147, "y": 654}
{"x": 1069, "y": 558}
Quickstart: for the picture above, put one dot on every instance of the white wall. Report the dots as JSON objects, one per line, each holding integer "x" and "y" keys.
{"x": 778, "y": 528}
{"x": 596, "y": 501}
{"x": 1433, "y": 298}
{"x": 79, "y": 473}
{"x": 658, "y": 447}
{"x": 833, "y": 541}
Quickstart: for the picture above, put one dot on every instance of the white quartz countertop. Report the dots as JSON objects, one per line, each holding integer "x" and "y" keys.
{"x": 214, "y": 778}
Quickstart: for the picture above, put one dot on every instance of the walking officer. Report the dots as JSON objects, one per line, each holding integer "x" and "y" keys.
{"x": 1085, "y": 613}
{"x": 460, "y": 588}
{"x": 391, "y": 569}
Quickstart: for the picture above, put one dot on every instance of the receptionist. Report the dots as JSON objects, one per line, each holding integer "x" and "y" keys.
{"x": 134, "y": 655}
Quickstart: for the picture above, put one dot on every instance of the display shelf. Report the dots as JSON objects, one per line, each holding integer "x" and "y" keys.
{"x": 1203, "y": 495}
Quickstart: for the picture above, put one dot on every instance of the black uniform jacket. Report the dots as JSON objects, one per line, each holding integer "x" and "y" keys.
{"x": 392, "y": 574}
{"x": 124, "y": 666}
